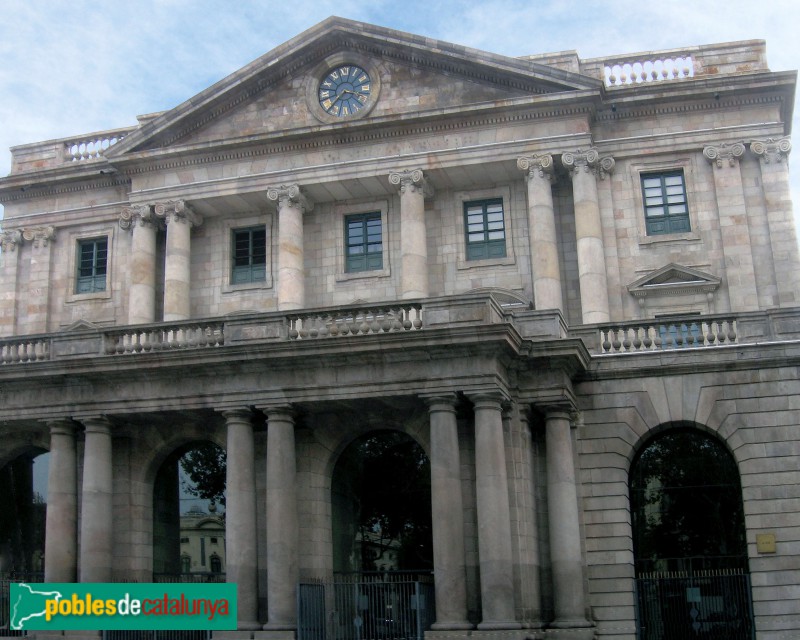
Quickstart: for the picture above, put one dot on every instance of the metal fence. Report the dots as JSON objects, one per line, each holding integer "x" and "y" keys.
{"x": 156, "y": 635}
{"x": 710, "y": 605}
{"x": 364, "y": 606}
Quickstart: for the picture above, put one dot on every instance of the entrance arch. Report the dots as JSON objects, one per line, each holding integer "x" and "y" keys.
{"x": 381, "y": 498}
{"x": 689, "y": 539}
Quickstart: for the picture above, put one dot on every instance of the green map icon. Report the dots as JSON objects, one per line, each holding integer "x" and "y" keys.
{"x": 28, "y": 604}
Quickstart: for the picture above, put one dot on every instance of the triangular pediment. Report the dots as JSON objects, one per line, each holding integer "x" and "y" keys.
{"x": 81, "y": 325}
{"x": 412, "y": 76}
{"x": 674, "y": 278}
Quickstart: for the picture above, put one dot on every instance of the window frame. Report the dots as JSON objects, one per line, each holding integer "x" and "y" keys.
{"x": 229, "y": 226}
{"x": 366, "y": 260}
{"x": 251, "y": 273}
{"x": 487, "y": 248}
{"x": 337, "y": 228}
{"x": 668, "y": 219}
{"x": 94, "y": 282}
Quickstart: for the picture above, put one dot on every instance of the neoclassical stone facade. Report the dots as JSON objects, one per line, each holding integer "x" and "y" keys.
{"x": 532, "y": 267}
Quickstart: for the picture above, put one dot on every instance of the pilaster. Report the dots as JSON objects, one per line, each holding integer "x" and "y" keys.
{"x": 10, "y": 240}
{"x": 414, "y": 188}
{"x": 291, "y": 270}
{"x": 38, "y": 295}
{"x": 774, "y": 159}
{"x": 585, "y": 168}
{"x": 733, "y": 224}
{"x": 179, "y": 219}
{"x": 547, "y": 293}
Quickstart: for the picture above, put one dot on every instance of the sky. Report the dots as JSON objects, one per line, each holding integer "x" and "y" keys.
{"x": 69, "y": 67}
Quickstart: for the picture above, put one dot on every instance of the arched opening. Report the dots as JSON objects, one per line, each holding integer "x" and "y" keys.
{"x": 23, "y": 501}
{"x": 381, "y": 495}
{"x": 189, "y": 515}
{"x": 382, "y": 586}
{"x": 689, "y": 539}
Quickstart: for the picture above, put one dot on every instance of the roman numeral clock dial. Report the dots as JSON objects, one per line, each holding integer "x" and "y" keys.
{"x": 345, "y": 91}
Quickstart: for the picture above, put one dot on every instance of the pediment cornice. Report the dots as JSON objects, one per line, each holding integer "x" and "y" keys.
{"x": 334, "y": 35}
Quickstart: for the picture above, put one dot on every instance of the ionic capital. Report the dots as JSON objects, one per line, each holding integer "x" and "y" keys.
{"x": 138, "y": 214}
{"x": 588, "y": 161}
{"x": 177, "y": 211}
{"x": 540, "y": 166}
{"x": 771, "y": 149}
{"x": 412, "y": 182}
{"x": 39, "y": 236}
{"x": 724, "y": 153}
{"x": 290, "y": 196}
{"x": 10, "y": 239}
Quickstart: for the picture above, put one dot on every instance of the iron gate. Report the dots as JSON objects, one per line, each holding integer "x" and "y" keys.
{"x": 710, "y": 605}
{"x": 357, "y": 607}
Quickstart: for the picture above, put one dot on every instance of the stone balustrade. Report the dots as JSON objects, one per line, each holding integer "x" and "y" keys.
{"x": 164, "y": 338}
{"x": 637, "y": 71}
{"x": 460, "y": 312}
{"x": 356, "y": 321}
{"x": 92, "y": 148}
{"x": 655, "y": 335}
{"x": 22, "y": 350}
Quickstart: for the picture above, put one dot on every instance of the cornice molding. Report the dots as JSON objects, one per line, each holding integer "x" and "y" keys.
{"x": 37, "y": 190}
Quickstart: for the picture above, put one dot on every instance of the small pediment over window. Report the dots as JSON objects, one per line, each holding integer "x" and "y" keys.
{"x": 674, "y": 279}
{"x": 81, "y": 325}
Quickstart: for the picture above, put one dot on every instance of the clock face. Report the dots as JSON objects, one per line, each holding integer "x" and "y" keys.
{"x": 345, "y": 90}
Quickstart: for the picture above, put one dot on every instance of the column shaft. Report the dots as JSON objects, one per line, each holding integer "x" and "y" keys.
{"x": 61, "y": 527}
{"x": 240, "y": 516}
{"x": 142, "y": 292}
{"x": 494, "y": 520}
{"x": 282, "y": 524}
{"x": 413, "y": 234}
{"x": 448, "y": 517}
{"x": 565, "y": 544}
{"x": 291, "y": 286}
{"x": 96, "y": 543}
{"x": 542, "y": 237}
{"x": 177, "y": 270}
{"x": 589, "y": 233}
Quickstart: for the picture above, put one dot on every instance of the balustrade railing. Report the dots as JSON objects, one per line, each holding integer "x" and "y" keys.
{"x": 91, "y": 148}
{"x": 636, "y": 71}
{"x": 353, "y": 322}
{"x": 656, "y": 335}
{"x": 164, "y": 338}
{"x": 14, "y": 351}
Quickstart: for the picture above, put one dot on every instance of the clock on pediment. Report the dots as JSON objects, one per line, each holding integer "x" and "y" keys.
{"x": 342, "y": 87}
{"x": 345, "y": 90}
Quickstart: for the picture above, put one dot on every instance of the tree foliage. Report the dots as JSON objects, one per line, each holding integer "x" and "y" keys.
{"x": 205, "y": 467}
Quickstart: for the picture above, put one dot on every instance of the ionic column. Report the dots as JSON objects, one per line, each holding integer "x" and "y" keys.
{"x": 733, "y": 225}
{"x": 177, "y": 265}
{"x": 774, "y": 155}
{"x": 9, "y": 262}
{"x": 449, "y": 563}
{"x": 39, "y": 280}
{"x": 584, "y": 168}
{"x": 562, "y": 511}
{"x": 282, "y": 524}
{"x": 291, "y": 270}
{"x": 413, "y": 235}
{"x": 494, "y": 516}
{"x": 542, "y": 232}
{"x": 61, "y": 525}
{"x": 240, "y": 516}
{"x": 96, "y": 543}
{"x": 142, "y": 291}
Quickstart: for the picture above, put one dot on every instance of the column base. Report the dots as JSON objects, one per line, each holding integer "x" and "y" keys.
{"x": 242, "y": 634}
{"x": 277, "y": 631}
{"x": 570, "y": 630}
{"x": 451, "y": 626}
{"x": 499, "y": 625}
{"x": 476, "y": 634}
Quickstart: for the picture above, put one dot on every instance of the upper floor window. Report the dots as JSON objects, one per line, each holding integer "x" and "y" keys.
{"x": 92, "y": 265}
{"x": 249, "y": 255}
{"x": 665, "y": 208}
{"x": 363, "y": 242}
{"x": 486, "y": 233}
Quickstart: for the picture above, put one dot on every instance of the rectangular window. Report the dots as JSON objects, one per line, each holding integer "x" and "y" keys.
{"x": 665, "y": 208}
{"x": 486, "y": 232}
{"x": 92, "y": 265}
{"x": 249, "y": 255}
{"x": 363, "y": 242}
